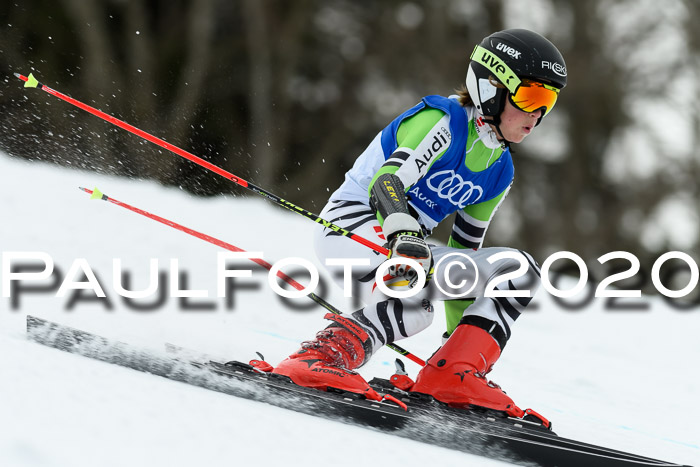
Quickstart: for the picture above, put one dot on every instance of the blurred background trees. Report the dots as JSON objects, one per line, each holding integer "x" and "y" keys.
{"x": 288, "y": 94}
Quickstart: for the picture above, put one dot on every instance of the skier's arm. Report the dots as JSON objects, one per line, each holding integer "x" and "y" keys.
{"x": 471, "y": 223}
{"x": 387, "y": 191}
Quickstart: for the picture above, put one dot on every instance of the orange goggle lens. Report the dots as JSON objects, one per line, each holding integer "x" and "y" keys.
{"x": 531, "y": 96}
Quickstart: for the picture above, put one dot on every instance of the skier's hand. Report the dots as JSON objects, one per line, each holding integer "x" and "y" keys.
{"x": 409, "y": 245}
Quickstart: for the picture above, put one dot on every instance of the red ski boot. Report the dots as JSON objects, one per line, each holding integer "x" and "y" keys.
{"x": 456, "y": 373}
{"x": 328, "y": 360}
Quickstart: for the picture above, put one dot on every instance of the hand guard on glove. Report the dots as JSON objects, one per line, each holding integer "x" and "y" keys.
{"x": 410, "y": 245}
{"x": 402, "y": 230}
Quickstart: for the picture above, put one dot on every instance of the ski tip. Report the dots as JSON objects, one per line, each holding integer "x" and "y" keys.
{"x": 97, "y": 194}
{"x": 31, "y": 81}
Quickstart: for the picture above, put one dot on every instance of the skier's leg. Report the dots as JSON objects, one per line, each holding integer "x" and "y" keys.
{"x": 472, "y": 273}
{"x": 353, "y": 338}
{"x": 346, "y": 344}
{"x": 455, "y": 373}
{"x": 329, "y": 358}
{"x": 359, "y": 218}
{"x": 350, "y": 341}
{"x": 387, "y": 320}
{"x": 384, "y": 319}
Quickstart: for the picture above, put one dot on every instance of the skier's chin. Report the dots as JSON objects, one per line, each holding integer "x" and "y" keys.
{"x": 518, "y": 138}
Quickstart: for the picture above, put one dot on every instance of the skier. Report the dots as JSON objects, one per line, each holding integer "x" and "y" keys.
{"x": 444, "y": 155}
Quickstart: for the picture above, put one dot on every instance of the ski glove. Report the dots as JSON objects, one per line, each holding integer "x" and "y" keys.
{"x": 410, "y": 245}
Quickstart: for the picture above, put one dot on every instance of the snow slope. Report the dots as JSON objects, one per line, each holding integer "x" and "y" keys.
{"x": 627, "y": 380}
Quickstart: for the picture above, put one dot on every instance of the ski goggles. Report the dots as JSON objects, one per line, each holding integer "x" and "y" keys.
{"x": 531, "y": 96}
{"x": 525, "y": 94}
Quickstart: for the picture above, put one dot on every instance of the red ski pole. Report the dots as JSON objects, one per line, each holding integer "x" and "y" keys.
{"x": 97, "y": 194}
{"x": 31, "y": 82}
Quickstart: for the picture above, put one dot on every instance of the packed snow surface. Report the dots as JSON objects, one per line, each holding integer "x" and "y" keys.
{"x": 624, "y": 379}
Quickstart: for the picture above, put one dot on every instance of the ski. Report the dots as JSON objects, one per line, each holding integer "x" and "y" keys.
{"x": 485, "y": 433}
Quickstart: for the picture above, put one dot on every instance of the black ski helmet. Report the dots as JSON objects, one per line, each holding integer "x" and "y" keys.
{"x": 508, "y": 57}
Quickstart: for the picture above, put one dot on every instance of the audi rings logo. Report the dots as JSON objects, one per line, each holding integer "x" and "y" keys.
{"x": 452, "y": 187}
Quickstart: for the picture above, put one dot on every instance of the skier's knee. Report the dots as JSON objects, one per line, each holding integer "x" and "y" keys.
{"x": 529, "y": 272}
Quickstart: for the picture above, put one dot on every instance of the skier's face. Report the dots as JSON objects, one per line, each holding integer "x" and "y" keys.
{"x": 517, "y": 124}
